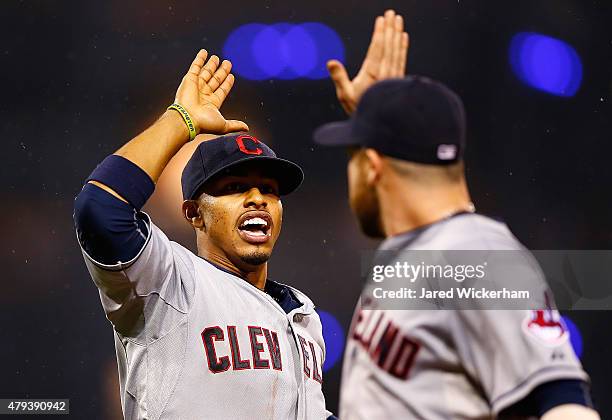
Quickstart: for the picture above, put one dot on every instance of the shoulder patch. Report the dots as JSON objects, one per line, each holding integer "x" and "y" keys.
{"x": 546, "y": 326}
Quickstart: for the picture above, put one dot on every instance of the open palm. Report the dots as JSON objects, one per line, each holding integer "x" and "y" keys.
{"x": 385, "y": 59}
{"x": 202, "y": 92}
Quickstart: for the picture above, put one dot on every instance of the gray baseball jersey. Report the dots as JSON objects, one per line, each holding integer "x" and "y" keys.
{"x": 194, "y": 341}
{"x": 450, "y": 364}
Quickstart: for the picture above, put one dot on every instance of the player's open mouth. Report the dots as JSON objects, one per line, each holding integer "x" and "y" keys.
{"x": 255, "y": 227}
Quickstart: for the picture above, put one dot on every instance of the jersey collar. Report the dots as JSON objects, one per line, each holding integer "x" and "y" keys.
{"x": 402, "y": 240}
{"x": 285, "y": 296}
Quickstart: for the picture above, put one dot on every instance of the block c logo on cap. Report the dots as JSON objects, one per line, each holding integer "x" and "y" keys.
{"x": 240, "y": 141}
{"x": 447, "y": 151}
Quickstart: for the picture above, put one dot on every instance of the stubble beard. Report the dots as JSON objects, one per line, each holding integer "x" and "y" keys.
{"x": 255, "y": 258}
{"x": 367, "y": 211}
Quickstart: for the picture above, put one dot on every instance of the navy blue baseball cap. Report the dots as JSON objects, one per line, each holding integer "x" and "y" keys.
{"x": 414, "y": 118}
{"x": 227, "y": 153}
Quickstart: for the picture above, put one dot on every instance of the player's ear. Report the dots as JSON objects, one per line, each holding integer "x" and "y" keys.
{"x": 191, "y": 213}
{"x": 374, "y": 165}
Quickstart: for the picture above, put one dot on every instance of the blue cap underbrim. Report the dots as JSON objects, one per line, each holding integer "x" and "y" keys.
{"x": 288, "y": 174}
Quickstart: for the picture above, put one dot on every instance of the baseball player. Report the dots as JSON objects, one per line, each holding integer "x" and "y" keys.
{"x": 406, "y": 138}
{"x": 206, "y": 335}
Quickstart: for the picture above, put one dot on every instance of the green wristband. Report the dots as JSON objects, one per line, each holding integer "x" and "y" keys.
{"x": 187, "y": 118}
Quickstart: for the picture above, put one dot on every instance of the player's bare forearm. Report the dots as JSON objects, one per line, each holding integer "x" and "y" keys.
{"x": 571, "y": 412}
{"x": 152, "y": 149}
{"x": 201, "y": 94}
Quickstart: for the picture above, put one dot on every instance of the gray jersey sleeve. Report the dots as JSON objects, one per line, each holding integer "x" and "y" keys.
{"x": 510, "y": 352}
{"x": 161, "y": 274}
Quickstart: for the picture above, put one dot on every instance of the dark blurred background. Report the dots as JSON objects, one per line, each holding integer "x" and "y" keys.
{"x": 81, "y": 78}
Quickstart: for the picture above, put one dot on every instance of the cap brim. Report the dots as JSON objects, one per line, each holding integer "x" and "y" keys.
{"x": 288, "y": 174}
{"x": 336, "y": 134}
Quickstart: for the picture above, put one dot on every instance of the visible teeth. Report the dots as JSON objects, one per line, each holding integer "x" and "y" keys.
{"x": 255, "y": 221}
{"x": 257, "y": 233}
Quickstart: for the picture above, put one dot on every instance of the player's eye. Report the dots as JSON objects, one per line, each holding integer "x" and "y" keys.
{"x": 235, "y": 187}
{"x": 268, "y": 189}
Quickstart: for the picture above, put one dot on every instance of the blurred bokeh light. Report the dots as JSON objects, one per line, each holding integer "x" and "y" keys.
{"x": 575, "y": 336}
{"x": 546, "y": 63}
{"x": 282, "y": 50}
{"x": 333, "y": 334}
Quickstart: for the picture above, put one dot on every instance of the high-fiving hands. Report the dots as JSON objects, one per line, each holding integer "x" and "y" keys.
{"x": 202, "y": 92}
{"x": 385, "y": 59}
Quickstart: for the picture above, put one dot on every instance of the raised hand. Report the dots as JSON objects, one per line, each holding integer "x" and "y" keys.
{"x": 385, "y": 59}
{"x": 202, "y": 92}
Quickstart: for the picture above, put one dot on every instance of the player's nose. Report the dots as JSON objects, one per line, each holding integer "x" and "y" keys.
{"x": 254, "y": 198}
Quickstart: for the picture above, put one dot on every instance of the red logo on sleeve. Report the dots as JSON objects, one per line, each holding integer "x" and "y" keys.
{"x": 547, "y": 326}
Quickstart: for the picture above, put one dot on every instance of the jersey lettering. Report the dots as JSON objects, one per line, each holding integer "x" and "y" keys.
{"x": 211, "y": 336}
{"x": 315, "y": 372}
{"x": 316, "y": 375}
{"x": 216, "y": 364}
{"x": 257, "y": 348}
{"x": 381, "y": 351}
{"x": 368, "y": 336}
{"x": 238, "y": 363}
{"x": 404, "y": 358}
{"x": 305, "y": 355}
{"x": 275, "y": 355}
{"x": 386, "y": 346}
